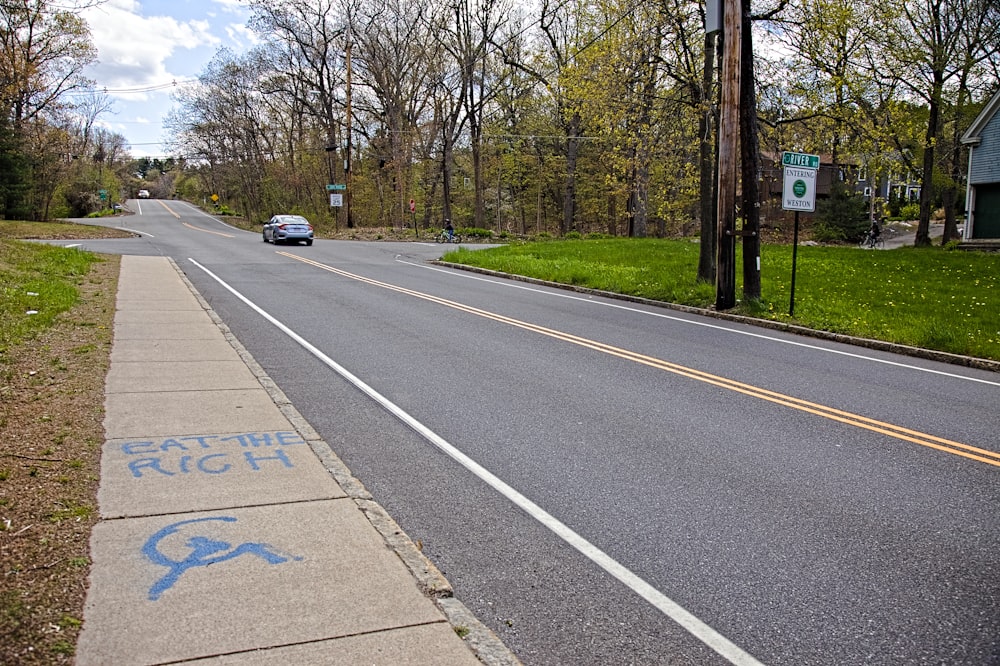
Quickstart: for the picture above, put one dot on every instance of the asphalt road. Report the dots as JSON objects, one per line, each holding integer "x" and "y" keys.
{"x": 607, "y": 483}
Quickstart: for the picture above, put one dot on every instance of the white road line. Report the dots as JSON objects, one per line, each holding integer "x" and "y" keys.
{"x": 511, "y": 285}
{"x": 703, "y": 632}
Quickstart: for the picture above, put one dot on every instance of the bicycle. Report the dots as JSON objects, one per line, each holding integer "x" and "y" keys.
{"x": 870, "y": 242}
{"x": 443, "y": 237}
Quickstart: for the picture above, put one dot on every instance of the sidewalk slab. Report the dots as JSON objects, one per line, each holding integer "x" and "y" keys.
{"x": 432, "y": 644}
{"x": 174, "y": 413}
{"x": 202, "y": 329}
{"x": 167, "y": 475}
{"x": 141, "y": 350}
{"x": 179, "y": 587}
{"x": 202, "y": 375}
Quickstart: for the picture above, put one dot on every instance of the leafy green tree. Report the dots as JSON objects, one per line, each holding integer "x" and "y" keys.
{"x": 842, "y": 216}
{"x": 941, "y": 42}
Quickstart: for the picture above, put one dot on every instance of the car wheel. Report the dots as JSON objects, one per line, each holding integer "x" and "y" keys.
{"x": 265, "y": 237}
{"x": 309, "y": 242}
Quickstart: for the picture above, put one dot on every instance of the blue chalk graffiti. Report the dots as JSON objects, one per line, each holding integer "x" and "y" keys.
{"x": 204, "y": 552}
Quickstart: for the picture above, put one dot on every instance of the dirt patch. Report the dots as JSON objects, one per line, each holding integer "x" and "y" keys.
{"x": 51, "y": 429}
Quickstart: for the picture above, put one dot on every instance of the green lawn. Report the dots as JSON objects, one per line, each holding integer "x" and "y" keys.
{"x": 37, "y": 283}
{"x": 939, "y": 299}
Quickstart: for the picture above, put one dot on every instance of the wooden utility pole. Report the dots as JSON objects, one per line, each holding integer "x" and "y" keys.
{"x": 347, "y": 157}
{"x": 729, "y": 132}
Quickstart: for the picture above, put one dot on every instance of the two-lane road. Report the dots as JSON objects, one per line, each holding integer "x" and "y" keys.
{"x": 609, "y": 483}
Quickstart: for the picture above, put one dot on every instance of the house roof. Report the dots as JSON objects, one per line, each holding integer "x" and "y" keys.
{"x": 972, "y": 135}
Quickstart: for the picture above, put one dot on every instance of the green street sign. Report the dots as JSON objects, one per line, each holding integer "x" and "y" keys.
{"x": 103, "y": 194}
{"x": 801, "y": 160}
{"x": 335, "y": 187}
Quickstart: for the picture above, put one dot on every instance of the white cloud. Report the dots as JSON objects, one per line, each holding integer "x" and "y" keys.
{"x": 133, "y": 49}
{"x": 147, "y": 48}
{"x": 241, "y": 37}
{"x": 232, "y": 6}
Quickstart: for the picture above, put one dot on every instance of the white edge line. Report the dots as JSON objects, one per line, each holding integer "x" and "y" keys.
{"x": 701, "y": 323}
{"x": 703, "y": 632}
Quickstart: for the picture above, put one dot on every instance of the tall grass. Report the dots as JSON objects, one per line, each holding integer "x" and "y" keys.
{"x": 929, "y": 297}
{"x": 37, "y": 284}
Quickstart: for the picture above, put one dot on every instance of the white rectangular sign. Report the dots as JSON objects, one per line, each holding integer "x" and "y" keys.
{"x": 336, "y": 200}
{"x": 799, "y": 191}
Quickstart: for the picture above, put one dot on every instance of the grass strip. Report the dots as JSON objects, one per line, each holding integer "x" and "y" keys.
{"x": 37, "y": 283}
{"x": 932, "y": 298}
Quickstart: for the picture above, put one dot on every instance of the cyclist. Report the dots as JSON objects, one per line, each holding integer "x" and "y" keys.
{"x": 449, "y": 229}
{"x": 874, "y": 233}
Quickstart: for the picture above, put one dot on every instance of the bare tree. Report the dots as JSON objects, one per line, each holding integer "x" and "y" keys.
{"x": 393, "y": 51}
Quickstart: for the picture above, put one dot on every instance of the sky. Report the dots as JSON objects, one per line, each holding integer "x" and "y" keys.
{"x": 145, "y": 47}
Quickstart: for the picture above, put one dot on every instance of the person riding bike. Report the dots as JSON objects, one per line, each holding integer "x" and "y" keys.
{"x": 874, "y": 232}
{"x": 449, "y": 229}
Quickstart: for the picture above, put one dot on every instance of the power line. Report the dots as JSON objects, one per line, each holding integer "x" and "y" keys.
{"x": 126, "y": 91}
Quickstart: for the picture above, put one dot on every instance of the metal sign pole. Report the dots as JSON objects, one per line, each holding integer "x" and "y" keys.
{"x": 795, "y": 258}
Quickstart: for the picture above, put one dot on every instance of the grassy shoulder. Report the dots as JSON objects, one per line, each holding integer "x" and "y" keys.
{"x": 929, "y": 297}
{"x": 16, "y": 229}
{"x": 56, "y": 314}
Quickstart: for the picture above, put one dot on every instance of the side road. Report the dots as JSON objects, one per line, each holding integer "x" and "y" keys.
{"x": 230, "y": 532}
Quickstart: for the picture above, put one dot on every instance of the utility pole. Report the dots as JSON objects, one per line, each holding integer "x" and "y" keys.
{"x": 729, "y": 131}
{"x": 347, "y": 157}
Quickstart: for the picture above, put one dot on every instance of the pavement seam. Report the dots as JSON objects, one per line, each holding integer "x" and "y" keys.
{"x": 480, "y": 639}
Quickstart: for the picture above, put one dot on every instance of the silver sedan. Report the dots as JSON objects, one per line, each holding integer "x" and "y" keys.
{"x": 288, "y": 229}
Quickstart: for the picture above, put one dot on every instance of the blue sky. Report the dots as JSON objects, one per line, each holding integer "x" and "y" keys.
{"x": 144, "y": 44}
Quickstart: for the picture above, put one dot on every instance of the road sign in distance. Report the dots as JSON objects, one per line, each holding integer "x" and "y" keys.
{"x": 801, "y": 160}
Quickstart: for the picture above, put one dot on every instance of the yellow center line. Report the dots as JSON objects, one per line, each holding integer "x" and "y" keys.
{"x": 840, "y": 416}
{"x": 207, "y": 231}
{"x": 169, "y": 210}
{"x": 191, "y": 226}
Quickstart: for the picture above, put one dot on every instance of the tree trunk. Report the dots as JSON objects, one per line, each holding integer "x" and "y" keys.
{"x": 927, "y": 179}
{"x": 477, "y": 173}
{"x": 950, "y": 224}
{"x": 572, "y": 154}
{"x": 448, "y": 155}
{"x": 750, "y": 149}
{"x": 709, "y": 241}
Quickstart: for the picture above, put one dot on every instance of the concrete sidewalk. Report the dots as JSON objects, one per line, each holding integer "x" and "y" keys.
{"x": 230, "y": 533}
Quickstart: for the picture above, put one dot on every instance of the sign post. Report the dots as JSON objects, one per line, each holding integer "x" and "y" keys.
{"x": 798, "y": 194}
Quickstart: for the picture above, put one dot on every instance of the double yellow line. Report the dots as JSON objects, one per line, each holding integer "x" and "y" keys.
{"x": 191, "y": 226}
{"x": 847, "y": 418}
